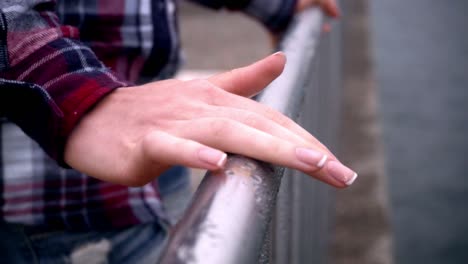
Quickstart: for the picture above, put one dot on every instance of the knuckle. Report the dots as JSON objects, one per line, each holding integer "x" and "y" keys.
{"x": 277, "y": 117}
{"x": 283, "y": 121}
{"x": 270, "y": 112}
{"x": 182, "y": 145}
{"x": 275, "y": 147}
{"x": 220, "y": 127}
{"x": 207, "y": 91}
{"x": 204, "y": 86}
{"x": 252, "y": 120}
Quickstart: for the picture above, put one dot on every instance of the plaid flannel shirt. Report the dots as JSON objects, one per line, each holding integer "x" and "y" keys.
{"x": 57, "y": 60}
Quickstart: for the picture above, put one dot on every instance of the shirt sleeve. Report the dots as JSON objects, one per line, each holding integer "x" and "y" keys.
{"x": 48, "y": 79}
{"x": 274, "y": 14}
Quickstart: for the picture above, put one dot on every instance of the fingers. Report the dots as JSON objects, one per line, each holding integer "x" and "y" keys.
{"x": 168, "y": 149}
{"x": 250, "y": 80}
{"x": 261, "y": 123}
{"x": 235, "y": 137}
{"x": 194, "y": 124}
{"x": 330, "y": 7}
{"x": 254, "y": 122}
{"x": 159, "y": 150}
{"x": 234, "y": 101}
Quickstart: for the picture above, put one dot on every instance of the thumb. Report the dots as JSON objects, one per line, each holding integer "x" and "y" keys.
{"x": 250, "y": 80}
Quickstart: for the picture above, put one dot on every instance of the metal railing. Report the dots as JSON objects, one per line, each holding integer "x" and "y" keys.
{"x": 235, "y": 216}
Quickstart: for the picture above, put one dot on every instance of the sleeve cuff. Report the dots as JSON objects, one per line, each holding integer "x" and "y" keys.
{"x": 59, "y": 88}
{"x": 274, "y": 14}
{"x": 229, "y": 4}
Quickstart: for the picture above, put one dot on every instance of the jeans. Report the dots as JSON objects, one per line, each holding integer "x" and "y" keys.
{"x": 137, "y": 244}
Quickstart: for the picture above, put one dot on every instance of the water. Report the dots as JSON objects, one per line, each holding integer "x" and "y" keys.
{"x": 421, "y": 52}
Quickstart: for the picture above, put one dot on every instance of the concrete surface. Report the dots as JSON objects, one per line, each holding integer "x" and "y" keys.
{"x": 362, "y": 232}
{"x": 220, "y": 40}
{"x": 421, "y": 52}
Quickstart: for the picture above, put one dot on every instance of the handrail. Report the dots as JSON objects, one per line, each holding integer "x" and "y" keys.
{"x": 230, "y": 213}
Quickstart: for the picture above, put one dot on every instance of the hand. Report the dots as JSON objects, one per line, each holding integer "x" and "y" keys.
{"x": 136, "y": 133}
{"x": 330, "y": 7}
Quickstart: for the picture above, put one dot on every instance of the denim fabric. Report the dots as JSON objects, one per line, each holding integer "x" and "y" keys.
{"x": 175, "y": 192}
{"x": 138, "y": 244}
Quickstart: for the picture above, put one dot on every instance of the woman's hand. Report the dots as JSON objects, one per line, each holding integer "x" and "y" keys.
{"x": 330, "y": 7}
{"x": 136, "y": 133}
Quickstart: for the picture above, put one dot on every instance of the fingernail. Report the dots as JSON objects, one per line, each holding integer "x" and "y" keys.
{"x": 212, "y": 156}
{"x": 311, "y": 157}
{"x": 278, "y": 53}
{"x": 341, "y": 173}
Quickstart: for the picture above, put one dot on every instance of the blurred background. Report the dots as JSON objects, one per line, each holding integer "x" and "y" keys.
{"x": 403, "y": 128}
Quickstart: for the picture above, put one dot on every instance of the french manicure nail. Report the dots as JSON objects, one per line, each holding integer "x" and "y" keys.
{"x": 311, "y": 157}
{"x": 213, "y": 157}
{"x": 341, "y": 173}
{"x": 278, "y": 53}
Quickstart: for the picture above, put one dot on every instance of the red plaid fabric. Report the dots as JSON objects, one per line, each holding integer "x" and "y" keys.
{"x": 57, "y": 60}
